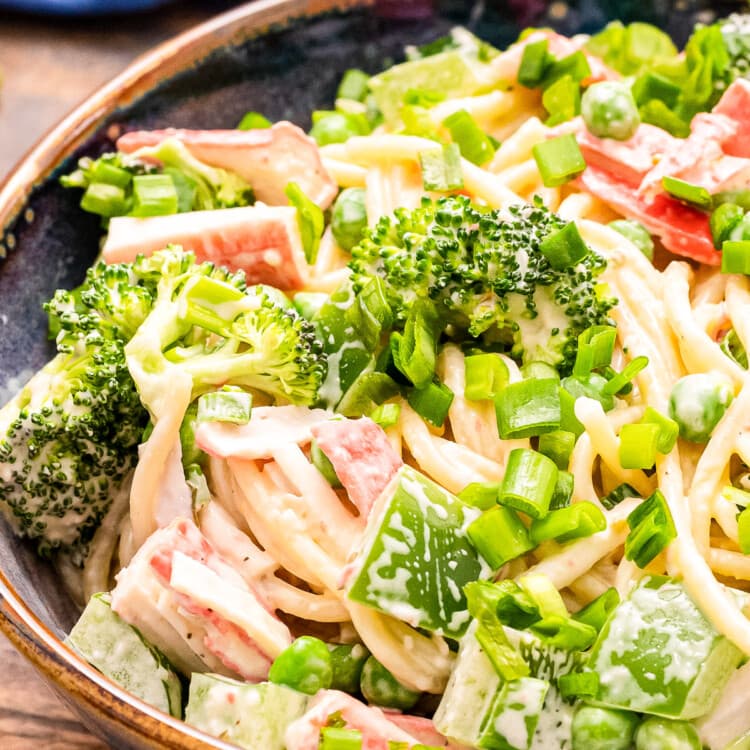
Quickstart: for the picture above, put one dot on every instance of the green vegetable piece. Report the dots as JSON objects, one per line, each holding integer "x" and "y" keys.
{"x": 651, "y": 530}
{"x": 657, "y": 113}
{"x": 638, "y": 445}
{"x": 380, "y": 687}
{"x": 499, "y": 536}
{"x": 563, "y": 493}
{"x": 482, "y": 495}
{"x": 485, "y": 376}
{"x": 564, "y": 248}
{"x": 337, "y": 127}
{"x": 323, "y": 464}
{"x": 636, "y": 233}
{"x": 347, "y": 661}
{"x": 659, "y": 654}
{"x": 111, "y": 174}
{"x": 309, "y": 218}
{"x": 354, "y": 85}
{"x": 595, "y": 347}
{"x": 368, "y": 391}
{"x": 562, "y": 100}
{"x": 695, "y": 195}
{"x": 603, "y": 728}
{"x": 386, "y": 415}
{"x": 557, "y": 445}
{"x": 529, "y": 482}
{"x": 724, "y": 218}
{"x": 304, "y": 666}
{"x": 416, "y": 556}
{"x": 254, "y": 121}
{"x": 119, "y": 652}
{"x": 441, "y": 168}
{"x": 415, "y": 350}
{"x": 559, "y": 160}
{"x": 233, "y": 406}
{"x": 633, "y": 48}
{"x": 596, "y": 612}
{"x": 650, "y": 85}
{"x": 574, "y": 65}
{"x": 743, "y": 530}
{"x": 656, "y": 733}
{"x": 154, "y": 195}
{"x": 567, "y": 524}
{"x": 609, "y": 110}
{"x": 578, "y": 685}
{"x": 593, "y": 386}
{"x": 735, "y": 256}
{"x": 339, "y": 738}
{"x": 534, "y": 370}
{"x": 472, "y": 141}
{"x": 431, "y": 402}
{"x": 698, "y": 402}
{"x": 568, "y": 420}
{"x": 620, "y": 381}
{"x": 247, "y": 715}
{"x": 104, "y": 199}
{"x": 534, "y": 63}
{"x": 528, "y": 408}
{"x": 668, "y": 429}
{"x": 307, "y": 304}
{"x": 349, "y": 217}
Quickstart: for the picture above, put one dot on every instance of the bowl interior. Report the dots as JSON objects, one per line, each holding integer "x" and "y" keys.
{"x": 285, "y": 74}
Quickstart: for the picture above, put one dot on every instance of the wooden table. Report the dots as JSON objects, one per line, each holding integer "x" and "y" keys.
{"x": 48, "y": 66}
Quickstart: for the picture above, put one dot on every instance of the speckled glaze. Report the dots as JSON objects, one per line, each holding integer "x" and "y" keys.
{"x": 283, "y": 58}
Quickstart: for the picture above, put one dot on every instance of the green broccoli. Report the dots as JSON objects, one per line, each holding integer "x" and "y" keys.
{"x": 486, "y": 275}
{"x": 112, "y": 182}
{"x": 69, "y": 438}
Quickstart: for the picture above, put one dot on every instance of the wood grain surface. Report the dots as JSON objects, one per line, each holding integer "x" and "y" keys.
{"x": 48, "y": 65}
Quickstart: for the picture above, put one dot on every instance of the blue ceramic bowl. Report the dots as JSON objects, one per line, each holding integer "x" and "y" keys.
{"x": 280, "y": 57}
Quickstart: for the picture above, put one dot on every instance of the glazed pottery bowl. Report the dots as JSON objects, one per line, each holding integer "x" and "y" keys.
{"x": 280, "y": 57}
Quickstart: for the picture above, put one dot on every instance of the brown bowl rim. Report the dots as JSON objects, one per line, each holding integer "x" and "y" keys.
{"x": 60, "y": 665}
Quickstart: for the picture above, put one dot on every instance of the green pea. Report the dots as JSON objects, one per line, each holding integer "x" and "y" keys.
{"x": 335, "y": 127}
{"x": 349, "y": 217}
{"x": 636, "y": 233}
{"x": 698, "y": 402}
{"x": 609, "y": 110}
{"x": 602, "y": 728}
{"x": 304, "y": 666}
{"x": 347, "y": 661}
{"x": 380, "y": 687}
{"x": 656, "y": 733}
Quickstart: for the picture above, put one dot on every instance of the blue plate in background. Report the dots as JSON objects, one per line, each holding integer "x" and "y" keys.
{"x": 81, "y": 7}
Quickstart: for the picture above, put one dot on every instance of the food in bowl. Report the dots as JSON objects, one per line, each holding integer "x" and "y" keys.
{"x": 425, "y": 429}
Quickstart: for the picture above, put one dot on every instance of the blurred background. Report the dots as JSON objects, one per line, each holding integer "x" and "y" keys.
{"x": 54, "y": 53}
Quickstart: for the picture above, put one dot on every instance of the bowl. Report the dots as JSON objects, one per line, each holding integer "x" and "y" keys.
{"x": 281, "y": 57}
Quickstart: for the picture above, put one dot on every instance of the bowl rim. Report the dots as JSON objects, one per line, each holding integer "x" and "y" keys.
{"x": 73, "y": 677}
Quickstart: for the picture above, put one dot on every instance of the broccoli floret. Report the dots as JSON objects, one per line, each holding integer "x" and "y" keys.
{"x": 69, "y": 438}
{"x": 486, "y": 275}
{"x": 198, "y": 186}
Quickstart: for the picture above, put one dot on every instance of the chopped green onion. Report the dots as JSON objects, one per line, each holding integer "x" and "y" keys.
{"x": 104, "y": 199}
{"x": 638, "y": 445}
{"x": 535, "y": 370}
{"x": 513, "y": 605}
{"x": 254, "y": 121}
{"x": 743, "y": 531}
{"x": 470, "y": 138}
{"x": 657, "y": 113}
{"x": 575, "y": 65}
{"x": 564, "y": 632}
{"x": 636, "y": 233}
{"x": 110, "y": 174}
{"x": 724, "y": 218}
{"x": 618, "y": 494}
{"x": 486, "y": 375}
{"x": 432, "y": 402}
{"x": 566, "y": 524}
{"x": 735, "y": 256}
{"x": 528, "y": 408}
{"x": 578, "y": 685}
{"x": 736, "y": 496}
{"x": 339, "y": 738}
{"x": 593, "y": 386}
{"x": 562, "y": 100}
{"x": 418, "y": 121}
{"x": 529, "y": 482}
{"x": 544, "y": 593}
{"x": 651, "y": 530}
{"x": 225, "y": 406}
{"x": 563, "y": 493}
{"x": 210, "y": 303}
{"x": 620, "y": 380}
{"x": 559, "y": 160}
{"x": 499, "y": 536}
{"x": 733, "y": 348}
{"x": 338, "y": 127}
{"x": 740, "y": 197}
{"x": 482, "y": 495}
{"x": 564, "y": 248}
{"x": 651, "y": 85}
{"x": 441, "y": 168}
{"x": 196, "y": 480}
{"x": 309, "y": 218}
{"x": 323, "y": 464}
{"x": 371, "y": 314}
{"x": 154, "y": 195}
{"x": 696, "y": 195}
{"x": 425, "y": 98}
{"x": 595, "y": 347}
{"x": 506, "y": 660}
{"x": 386, "y": 415}
{"x": 668, "y": 429}
{"x": 365, "y": 393}
{"x": 354, "y": 85}
{"x": 415, "y": 350}
{"x": 534, "y": 63}
{"x": 557, "y": 445}
{"x": 597, "y": 612}
{"x": 568, "y": 420}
